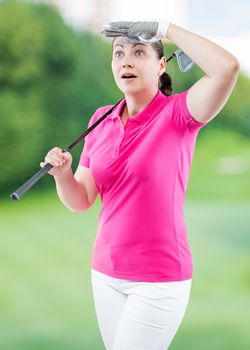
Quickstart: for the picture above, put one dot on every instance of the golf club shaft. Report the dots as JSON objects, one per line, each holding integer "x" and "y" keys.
{"x": 35, "y": 178}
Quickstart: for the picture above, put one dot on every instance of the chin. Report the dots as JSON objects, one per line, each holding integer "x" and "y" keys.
{"x": 131, "y": 90}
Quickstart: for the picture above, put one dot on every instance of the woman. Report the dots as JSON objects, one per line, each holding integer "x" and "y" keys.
{"x": 138, "y": 159}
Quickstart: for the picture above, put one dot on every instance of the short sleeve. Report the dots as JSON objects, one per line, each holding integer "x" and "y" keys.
{"x": 181, "y": 115}
{"x": 85, "y": 155}
{"x": 84, "y": 158}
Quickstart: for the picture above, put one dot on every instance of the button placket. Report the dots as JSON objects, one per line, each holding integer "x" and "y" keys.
{"x": 118, "y": 143}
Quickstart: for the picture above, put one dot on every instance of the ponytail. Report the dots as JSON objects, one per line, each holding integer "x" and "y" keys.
{"x": 165, "y": 81}
{"x": 165, "y": 84}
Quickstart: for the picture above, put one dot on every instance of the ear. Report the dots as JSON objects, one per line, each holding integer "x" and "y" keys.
{"x": 163, "y": 65}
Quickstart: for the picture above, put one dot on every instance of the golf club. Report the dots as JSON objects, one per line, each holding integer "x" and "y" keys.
{"x": 184, "y": 63}
{"x": 34, "y": 179}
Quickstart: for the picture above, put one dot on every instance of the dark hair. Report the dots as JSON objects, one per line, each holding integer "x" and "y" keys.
{"x": 165, "y": 81}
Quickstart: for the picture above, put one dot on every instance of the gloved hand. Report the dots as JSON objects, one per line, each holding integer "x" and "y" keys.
{"x": 137, "y": 31}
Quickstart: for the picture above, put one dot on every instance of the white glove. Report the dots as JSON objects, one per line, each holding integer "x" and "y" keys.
{"x": 142, "y": 31}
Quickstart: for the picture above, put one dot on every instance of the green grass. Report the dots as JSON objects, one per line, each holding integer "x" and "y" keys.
{"x": 45, "y": 276}
{"x": 45, "y": 259}
{"x": 221, "y": 167}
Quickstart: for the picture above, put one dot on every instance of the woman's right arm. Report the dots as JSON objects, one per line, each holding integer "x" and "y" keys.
{"x": 71, "y": 192}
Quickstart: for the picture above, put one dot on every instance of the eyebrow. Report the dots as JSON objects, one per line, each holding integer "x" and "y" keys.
{"x": 132, "y": 46}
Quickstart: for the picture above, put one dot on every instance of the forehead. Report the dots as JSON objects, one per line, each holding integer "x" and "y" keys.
{"x": 119, "y": 43}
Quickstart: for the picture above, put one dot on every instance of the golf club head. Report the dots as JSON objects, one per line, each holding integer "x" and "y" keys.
{"x": 184, "y": 62}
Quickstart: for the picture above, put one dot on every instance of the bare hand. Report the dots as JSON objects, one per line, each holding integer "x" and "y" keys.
{"x": 61, "y": 161}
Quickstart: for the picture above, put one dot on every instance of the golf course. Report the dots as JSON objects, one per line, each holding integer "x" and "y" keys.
{"x": 45, "y": 260}
{"x": 53, "y": 79}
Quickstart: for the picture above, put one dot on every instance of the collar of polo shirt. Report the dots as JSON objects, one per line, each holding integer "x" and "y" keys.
{"x": 141, "y": 117}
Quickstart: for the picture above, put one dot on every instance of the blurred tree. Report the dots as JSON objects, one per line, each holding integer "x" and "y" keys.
{"x": 237, "y": 110}
{"x": 52, "y": 79}
{"x": 22, "y": 114}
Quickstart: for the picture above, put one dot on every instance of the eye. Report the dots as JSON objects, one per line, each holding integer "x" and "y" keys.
{"x": 139, "y": 52}
{"x": 118, "y": 53}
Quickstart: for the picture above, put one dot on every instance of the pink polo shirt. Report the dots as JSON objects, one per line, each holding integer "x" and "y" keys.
{"x": 141, "y": 172}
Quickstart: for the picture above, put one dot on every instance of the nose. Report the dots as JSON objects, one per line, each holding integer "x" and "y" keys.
{"x": 127, "y": 65}
{"x": 127, "y": 62}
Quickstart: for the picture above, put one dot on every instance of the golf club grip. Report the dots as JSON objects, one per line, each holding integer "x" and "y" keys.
{"x": 15, "y": 196}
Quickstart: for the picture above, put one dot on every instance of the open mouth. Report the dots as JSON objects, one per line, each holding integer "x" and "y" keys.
{"x": 128, "y": 76}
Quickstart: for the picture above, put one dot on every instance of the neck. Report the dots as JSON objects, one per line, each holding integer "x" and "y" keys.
{"x": 136, "y": 103}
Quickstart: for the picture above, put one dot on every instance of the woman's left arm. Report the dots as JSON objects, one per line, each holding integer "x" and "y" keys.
{"x": 210, "y": 93}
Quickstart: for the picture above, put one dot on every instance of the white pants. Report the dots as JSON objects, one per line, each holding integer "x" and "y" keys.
{"x": 138, "y": 315}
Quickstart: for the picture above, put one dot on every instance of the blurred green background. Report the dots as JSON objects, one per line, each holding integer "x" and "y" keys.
{"x": 52, "y": 79}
